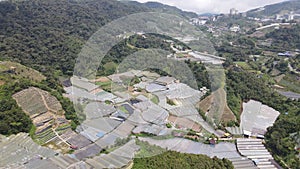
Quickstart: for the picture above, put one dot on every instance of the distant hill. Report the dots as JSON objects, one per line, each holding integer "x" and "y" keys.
{"x": 279, "y": 8}
{"x": 159, "y": 7}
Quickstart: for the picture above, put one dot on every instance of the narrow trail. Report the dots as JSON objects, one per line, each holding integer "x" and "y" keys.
{"x": 45, "y": 102}
{"x": 54, "y": 117}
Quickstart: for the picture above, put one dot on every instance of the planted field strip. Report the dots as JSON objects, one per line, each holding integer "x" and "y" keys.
{"x": 30, "y": 101}
{"x": 45, "y": 136}
{"x": 18, "y": 149}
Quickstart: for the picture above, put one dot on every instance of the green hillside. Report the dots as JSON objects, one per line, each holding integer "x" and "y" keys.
{"x": 48, "y": 34}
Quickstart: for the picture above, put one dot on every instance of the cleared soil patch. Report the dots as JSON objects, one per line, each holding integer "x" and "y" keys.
{"x": 205, "y": 104}
{"x": 279, "y": 78}
{"x": 184, "y": 123}
{"x": 2, "y": 82}
{"x": 215, "y": 107}
{"x": 228, "y": 115}
{"x": 101, "y": 79}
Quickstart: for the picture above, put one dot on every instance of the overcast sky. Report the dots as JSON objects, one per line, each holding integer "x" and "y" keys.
{"x": 216, "y": 6}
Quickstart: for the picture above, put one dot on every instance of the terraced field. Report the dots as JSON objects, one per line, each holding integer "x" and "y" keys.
{"x": 35, "y": 101}
{"x": 47, "y": 115}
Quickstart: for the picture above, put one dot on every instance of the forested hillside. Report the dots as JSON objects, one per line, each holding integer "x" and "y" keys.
{"x": 48, "y": 34}
{"x": 286, "y": 38}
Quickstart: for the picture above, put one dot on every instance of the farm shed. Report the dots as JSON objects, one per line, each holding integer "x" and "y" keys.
{"x": 102, "y": 124}
{"x": 96, "y": 110}
{"x": 155, "y": 114}
{"x": 165, "y": 80}
{"x": 153, "y": 87}
{"x": 256, "y": 118}
{"x": 149, "y": 129}
{"x": 79, "y": 141}
{"x": 103, "y": 96}
{"x": 119, "y": 158}
{"x": 83, "y": 83}
{"x": 107, "y": 140}
{"x": 88, "y": 151}
{"x": 256, "y": 151}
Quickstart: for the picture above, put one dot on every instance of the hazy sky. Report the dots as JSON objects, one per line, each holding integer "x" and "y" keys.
{"x": 216, "y": 6}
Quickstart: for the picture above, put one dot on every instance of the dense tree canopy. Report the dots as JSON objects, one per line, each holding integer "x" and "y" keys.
{"x": 48, "y": 34}
{"x": 171, "y": 160}
{"x": 12, "y": 119}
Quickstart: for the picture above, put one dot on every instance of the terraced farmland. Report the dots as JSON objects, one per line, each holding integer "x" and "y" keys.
{"x": 35, "y": 101}
{"x": 47, "y": 115}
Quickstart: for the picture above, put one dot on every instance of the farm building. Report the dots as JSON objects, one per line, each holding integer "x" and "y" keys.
{"x": 136, "y": 118}
{"x": 256, "y": 151}
{"x": 256, "y": 118}
{"x": 236, "y": 131}
{"x": 83, "y": 83}
{"x": 108, "y": 140}
{"x": 151, "y": 129}
{"x": 165, "y": 80}
{"x": 183, "y": 94}
{"x": 155, "y": 114}
{"x": 142, "y": 98}
{"x": 96, "y": 110}
{"x": 79, "y": 141}
{"x": 74, "y": 93}
{"x": 119, "y": 158}
{"x": 184, "y": 123}
{"x": 104, "y": 96}
{"x": 153, "y": 87}
{"x": 88, "y": 151}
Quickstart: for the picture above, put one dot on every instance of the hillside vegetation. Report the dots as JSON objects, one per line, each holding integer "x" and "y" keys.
{"x": 48, "y": 34}
{"x": 172, "y": 159}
